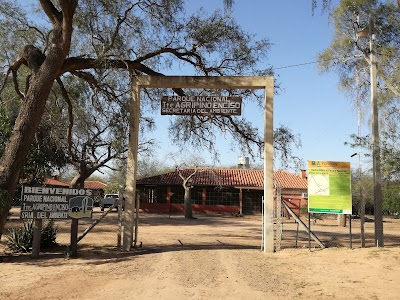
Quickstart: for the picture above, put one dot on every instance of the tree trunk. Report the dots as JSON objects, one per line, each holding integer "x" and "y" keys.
{"x": 187, "y": 204}
{"x": 43, "y": 72}
{"x": 18, "y": 146}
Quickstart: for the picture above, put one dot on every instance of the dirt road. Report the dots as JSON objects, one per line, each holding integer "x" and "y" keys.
{"x": 208, "y": 258}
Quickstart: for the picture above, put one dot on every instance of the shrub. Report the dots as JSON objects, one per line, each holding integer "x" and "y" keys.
{"x": 49, "y": 235}
{"x": 21, "y": 239}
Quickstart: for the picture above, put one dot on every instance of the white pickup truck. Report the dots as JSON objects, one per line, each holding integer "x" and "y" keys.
{"x": 109, "y": 200}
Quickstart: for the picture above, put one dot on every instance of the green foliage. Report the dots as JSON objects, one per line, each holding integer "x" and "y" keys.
{"x": 390, "y": 154}
{"x": 44, "y": 156}
{"x": 304, "y": 210}
{"x": 391, "y": 199}
{"x": 348, "y": 54}
{"x": 20, "y": 239}
{"x": 49, "y": 235}
{"x": 5, "y": 128}
{"x": 88, "y": 107}
{"x": 116, "y": 178}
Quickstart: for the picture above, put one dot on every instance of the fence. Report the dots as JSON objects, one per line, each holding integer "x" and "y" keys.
{"x": 104, "y": 234}
{"x": 227, "y": 229}
{"x": 330, "y": 231}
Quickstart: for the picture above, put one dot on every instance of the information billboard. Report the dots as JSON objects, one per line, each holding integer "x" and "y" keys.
{"x": 329, "y": 187}
{"x": 55, "y": 203}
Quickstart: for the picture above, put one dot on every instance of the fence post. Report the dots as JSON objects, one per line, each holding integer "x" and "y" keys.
{"x": 74, "y": 237}
{"x": 37, "y": 234}
{"x": 279, "y": 219}
{"x": 119, "y": 235}
{"x": 137, "y": 218}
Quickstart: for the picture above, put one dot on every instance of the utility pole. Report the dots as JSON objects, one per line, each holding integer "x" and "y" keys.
{"x": 362, "y": 202}
{"x": 375, "y": 142}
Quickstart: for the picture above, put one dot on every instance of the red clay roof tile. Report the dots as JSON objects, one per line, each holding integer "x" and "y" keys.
{"x": 89, "y": 184}
{"x": 95, "y": 185}
{"x": 51, "y": 181}
{"x": 228, "y": 177}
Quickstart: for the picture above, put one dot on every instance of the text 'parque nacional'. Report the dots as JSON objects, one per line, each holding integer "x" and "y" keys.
{"x": 39, "y": 202}
{"x": 201, "y": 105}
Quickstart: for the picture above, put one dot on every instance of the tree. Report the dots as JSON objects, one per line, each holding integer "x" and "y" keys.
{"x": 45, "y": 156}
{"x": 186, "y": 174}
{"x": 326, "y": 4}
{"x": 361, "y": 186}
{"x": 87, "y": 43}
{"x": 391, "y": 203}
{"x": 390, "y": 149}
{"x": 349, "y": 56}
{"x": 187, "y": 185}
{"x": 43, "y": 71}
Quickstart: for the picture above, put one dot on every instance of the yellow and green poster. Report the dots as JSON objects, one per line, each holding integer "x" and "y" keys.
{"x": 329, "y": 187}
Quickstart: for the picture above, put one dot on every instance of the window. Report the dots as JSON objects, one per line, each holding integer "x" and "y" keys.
{"x": 178, "y": 194}
{"x": 197, "y": 195}
{"x": 222, "y": 196}
{"x": 153, "y": 195}
{"x": 252, "y": 201}
{"x": 161, "y": 194}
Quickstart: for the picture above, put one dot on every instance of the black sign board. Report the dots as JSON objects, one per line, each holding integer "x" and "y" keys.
{"x": 201, "y": 105}
{"x": 55, "y": 203}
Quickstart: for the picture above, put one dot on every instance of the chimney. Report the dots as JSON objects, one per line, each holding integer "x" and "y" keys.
{"x": 303, "y": 174}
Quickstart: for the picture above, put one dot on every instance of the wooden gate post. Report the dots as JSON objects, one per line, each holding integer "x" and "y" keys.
{"x": 37, "y": 235}
{"x": 74, "y": 238}
{"x": 131, "y": 171}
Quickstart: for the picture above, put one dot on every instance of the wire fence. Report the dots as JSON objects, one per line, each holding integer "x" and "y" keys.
{"x": 291, "y": 231}
{"x": 332, "y": 230}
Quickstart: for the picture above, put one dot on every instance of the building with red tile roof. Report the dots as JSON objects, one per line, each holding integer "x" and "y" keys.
{"x": 219, "y": 190}
{"x": 55, "y": 182}
{"x": 94, "y": 185}
{"x": 98, "y": 187}
{"x": 89, "y": 184}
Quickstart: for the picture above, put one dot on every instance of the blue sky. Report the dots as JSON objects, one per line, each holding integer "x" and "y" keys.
{"x": 310, "y": 103}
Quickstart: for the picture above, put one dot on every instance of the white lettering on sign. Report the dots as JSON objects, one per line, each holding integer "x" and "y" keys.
{"x": 58, "y": 215}
{"x": 201, "y": 105}
{"x": 56, "y": 191}
{"x": 27, "y": 215}
{"x": 41, "y": 215}
{"x": 55, "y": 202}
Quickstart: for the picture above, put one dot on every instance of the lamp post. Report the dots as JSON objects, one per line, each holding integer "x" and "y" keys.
{"x": 375, "y": 138}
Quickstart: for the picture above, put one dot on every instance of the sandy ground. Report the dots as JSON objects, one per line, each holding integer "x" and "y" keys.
{"x": 215, "y": 257}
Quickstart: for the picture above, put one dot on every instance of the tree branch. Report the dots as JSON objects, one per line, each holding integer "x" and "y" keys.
{"x": 13, "y": 69}
{"x": 64, "y": 93}
{"x": 73, "y": 64}
{"x": 52, "y": 13}
{"x": 185, "y": 179}
{"x": 118, "y": 26}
